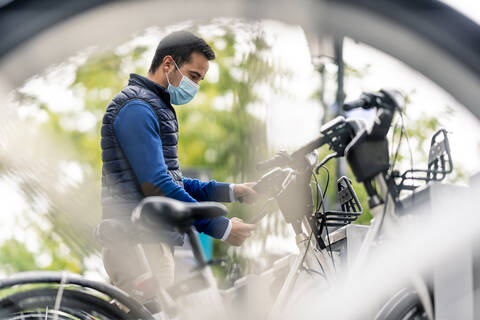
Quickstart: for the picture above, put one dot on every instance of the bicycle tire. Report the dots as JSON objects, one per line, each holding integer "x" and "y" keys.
{"x": 404, "y": 305}
{"x": 76, "y": 303}
{"x": 55, "y": 278}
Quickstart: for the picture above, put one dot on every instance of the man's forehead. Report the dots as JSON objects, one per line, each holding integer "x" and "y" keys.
{"x": 198, "y": 62}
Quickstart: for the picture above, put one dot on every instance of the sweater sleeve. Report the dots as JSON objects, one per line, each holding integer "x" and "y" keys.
{"x": 138, "y": 132}
{"x": 207, "y": 191}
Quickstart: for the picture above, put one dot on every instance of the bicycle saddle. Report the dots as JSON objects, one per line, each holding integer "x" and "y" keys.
{"x": 156, "y": 212}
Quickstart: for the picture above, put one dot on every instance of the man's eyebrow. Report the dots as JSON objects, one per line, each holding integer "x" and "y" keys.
{"x": 197, "y": 74}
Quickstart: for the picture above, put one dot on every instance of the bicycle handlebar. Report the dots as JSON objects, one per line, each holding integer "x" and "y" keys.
{"x": 279, "y": 160}
{"x": 386, "y": 102}
{"x": 309, "y": 147}
{"x": 338, "y": 127}
{"x": 344, "y": 134}
{"x": 365, "y": 101}
{"x": 384, "y": 99}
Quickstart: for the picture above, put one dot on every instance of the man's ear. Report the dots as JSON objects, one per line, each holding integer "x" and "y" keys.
{"x": 167, "y": 63}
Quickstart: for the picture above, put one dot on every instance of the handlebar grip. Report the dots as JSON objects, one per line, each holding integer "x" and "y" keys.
{"x": 264, "y": 165}
{"x": 280, "y": 159}
{"x": 359, "y": 103}
{"x": 365, "y": 101}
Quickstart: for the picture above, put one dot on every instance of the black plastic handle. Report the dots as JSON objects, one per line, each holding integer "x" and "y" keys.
{"x": 207, "y": 210}
{"x": 365, "y": 101}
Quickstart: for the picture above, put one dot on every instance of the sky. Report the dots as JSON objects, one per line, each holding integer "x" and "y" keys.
{"x": 288, "y": 127}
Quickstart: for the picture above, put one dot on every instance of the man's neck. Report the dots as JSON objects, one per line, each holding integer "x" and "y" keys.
{"x": 158, "y": 79}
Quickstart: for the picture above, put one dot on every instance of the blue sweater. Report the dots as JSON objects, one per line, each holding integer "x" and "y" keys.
{"x": 138, "y": 132}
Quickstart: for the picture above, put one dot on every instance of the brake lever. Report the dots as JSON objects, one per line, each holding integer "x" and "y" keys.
{"x": 325, "y": 160}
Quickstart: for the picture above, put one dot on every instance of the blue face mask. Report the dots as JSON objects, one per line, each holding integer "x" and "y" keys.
{"x": 185, "y": 91}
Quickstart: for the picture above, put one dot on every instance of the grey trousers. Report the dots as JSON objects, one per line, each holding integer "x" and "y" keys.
{"x": 125, "y": 269}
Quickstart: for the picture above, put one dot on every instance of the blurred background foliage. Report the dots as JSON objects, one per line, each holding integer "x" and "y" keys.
{"x": 218, "y": 131}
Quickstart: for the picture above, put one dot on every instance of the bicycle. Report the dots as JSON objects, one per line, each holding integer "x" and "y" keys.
{"x": 366, "y": 150}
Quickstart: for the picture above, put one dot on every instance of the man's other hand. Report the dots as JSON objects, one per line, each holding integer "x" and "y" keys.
{"x": 245, "y": 193}
{"x": 240, "y": 231}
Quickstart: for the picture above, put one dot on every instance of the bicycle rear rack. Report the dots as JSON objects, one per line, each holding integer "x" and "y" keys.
{"x": 350, "y": 206}
{"x": 350, "y": 210}
{"x": 439, "y": 164}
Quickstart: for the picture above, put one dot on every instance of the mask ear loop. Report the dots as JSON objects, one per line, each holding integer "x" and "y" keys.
{"x": 166, "y": 74}
{"x": 183, "y": 76}
{"x": 177, "y": 68}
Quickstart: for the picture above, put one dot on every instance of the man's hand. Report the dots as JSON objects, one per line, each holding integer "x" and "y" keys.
{"x": 245, "y": 193}
{"x": 240, "y": 231}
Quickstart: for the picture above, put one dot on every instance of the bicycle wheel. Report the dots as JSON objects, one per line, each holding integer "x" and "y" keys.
{"x": 404, "y": 305}
{"x": 40, "y": 304}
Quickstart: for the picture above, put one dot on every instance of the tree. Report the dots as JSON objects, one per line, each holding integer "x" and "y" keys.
{"x": 230, "y": 143}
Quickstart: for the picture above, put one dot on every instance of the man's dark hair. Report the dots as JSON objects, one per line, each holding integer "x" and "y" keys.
{"x": 180, "y": 45}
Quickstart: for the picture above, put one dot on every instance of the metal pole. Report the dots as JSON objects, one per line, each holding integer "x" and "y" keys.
{"x": 340, "y": 97}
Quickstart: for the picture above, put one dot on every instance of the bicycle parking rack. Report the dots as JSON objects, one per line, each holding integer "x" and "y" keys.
{"x": 345, "y": 243}
{"x": 456, "y": 280}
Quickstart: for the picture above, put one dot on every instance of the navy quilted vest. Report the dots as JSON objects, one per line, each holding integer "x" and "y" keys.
{"x": 121, "y": 191}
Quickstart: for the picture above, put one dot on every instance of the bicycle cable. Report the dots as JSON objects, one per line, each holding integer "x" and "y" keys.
{"x": 322, "y": 204}
{"x": 306, "y": 250}
{"x": 321, "y": 274}
{"x": 409, "y": 149}
{"x": 395, "y": 127}
{"x": 323, "y": 209}
{"x": 403, "y": 132}
{"x": 392, "y": 164}
{"x": 316, "y": 211}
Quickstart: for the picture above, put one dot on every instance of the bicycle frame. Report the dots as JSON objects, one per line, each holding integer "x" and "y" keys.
{"x": 309, "y": 254}
{"x": 201, "y": 279}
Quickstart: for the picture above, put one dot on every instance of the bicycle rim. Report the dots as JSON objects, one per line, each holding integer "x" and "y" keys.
{"x": 74, "y": 304}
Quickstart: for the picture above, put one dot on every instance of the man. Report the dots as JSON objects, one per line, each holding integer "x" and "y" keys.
{"x": 139, "y": 139}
